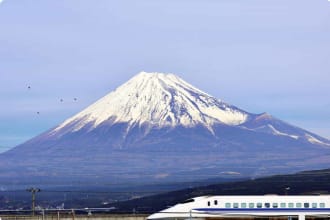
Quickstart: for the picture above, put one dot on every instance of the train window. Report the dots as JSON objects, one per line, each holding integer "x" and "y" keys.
{"x": 306, "y": 205}
{"x": 235, "y": 205}
{"x": 243, "y": 205}
{"x": 259, "y": 205}
{"x": 215, "y": 202}
{"x": 322, "y": 205}
{"x": 228, "y": 205}
{"x": 290, "y": 205}
{"x": 251, "y": 205}
{"x": 275, "y": 205}
{"x": 188, "y": 201}
{"x": 283, "y": 205}
{"x": 314, "y": 205}
{"x": 267, "y": 205}
{"x": 298, "y": 205}
{"x": 208, "y": 203}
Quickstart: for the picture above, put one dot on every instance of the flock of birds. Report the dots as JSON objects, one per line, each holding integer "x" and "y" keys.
{"x": 61, "y": 99}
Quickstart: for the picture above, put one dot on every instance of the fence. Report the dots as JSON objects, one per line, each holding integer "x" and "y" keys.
{"x": 72, "y": 216}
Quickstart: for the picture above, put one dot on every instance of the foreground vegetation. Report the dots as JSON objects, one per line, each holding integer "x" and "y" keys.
{"x": 151, "y": 198}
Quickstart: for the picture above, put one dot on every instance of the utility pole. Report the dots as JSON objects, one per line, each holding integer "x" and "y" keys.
{"x": 33, "y": 191}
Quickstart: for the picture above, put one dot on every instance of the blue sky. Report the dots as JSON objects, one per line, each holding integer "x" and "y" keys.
{"x": 261, "y": 56}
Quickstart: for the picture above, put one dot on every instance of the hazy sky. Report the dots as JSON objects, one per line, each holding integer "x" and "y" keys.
{"x": 261, "y": 56}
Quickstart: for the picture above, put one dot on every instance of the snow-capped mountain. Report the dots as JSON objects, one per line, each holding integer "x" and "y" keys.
{"x": 156, "y": 100}
{"x": 161, "y": 125}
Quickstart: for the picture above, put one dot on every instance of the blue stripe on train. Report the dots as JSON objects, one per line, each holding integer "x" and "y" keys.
{"x": 262, "y": 209}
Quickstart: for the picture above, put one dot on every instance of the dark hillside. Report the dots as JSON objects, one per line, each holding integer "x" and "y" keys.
{"x": 310, "y": 182}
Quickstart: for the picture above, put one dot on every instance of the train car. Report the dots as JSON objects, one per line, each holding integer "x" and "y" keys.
{"x": 206, "y": 207}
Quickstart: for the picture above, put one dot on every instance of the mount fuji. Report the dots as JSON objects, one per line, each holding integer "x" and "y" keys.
{"x": 157, "y": 127}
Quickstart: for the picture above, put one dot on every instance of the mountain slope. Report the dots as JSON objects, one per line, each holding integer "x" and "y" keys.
{"x": 160, "y": 127}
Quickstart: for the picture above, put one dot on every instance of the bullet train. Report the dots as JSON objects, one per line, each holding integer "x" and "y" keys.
{"x": 206, "y": 207}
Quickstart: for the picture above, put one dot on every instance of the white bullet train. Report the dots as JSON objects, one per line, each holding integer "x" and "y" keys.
{"x": 206, "y": 207}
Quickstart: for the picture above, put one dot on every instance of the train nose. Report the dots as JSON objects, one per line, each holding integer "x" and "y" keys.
{"x": 155, "y": 216}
